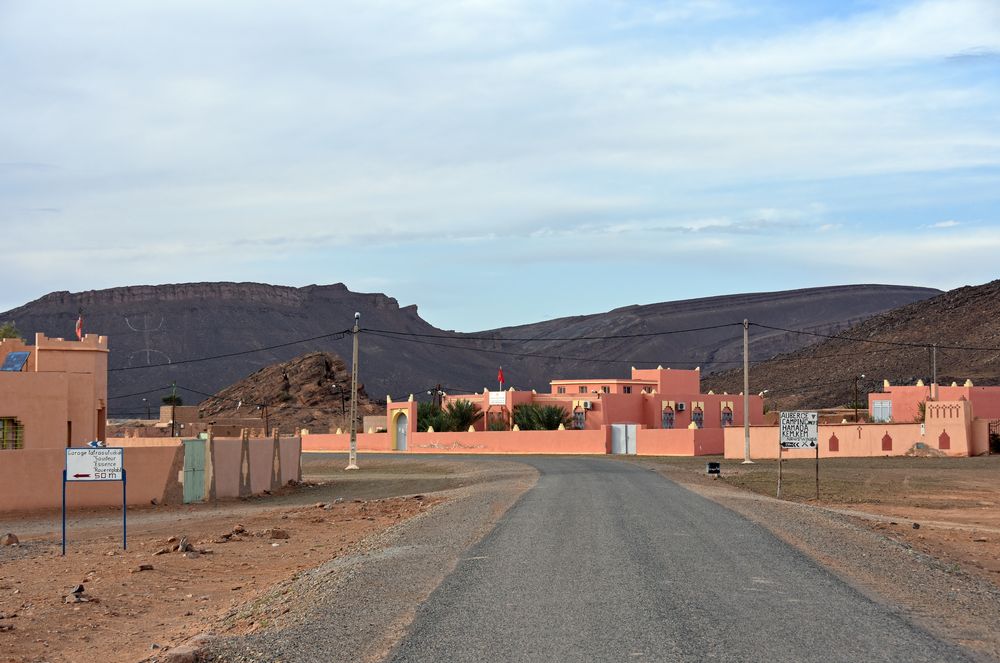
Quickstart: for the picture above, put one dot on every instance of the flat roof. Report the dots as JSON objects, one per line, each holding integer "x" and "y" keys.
{"x": 612, "y": 381}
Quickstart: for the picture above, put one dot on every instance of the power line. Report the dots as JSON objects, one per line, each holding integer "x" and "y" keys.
{"x": 339, "y": 334}
{"x": 140, "y": 393}
{"x": 471, "y": 337}
{"x": 538, "y": 355}
{"x": 877, "y": 341}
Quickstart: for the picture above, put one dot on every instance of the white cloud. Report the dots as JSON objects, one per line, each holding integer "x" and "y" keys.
{"x": 946, "y": 224}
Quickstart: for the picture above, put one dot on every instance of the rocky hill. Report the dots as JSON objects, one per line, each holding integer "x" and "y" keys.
{"x": 312, "y": 391}
{"x": 156, "y": 331}
{"x": 822, "y": 375}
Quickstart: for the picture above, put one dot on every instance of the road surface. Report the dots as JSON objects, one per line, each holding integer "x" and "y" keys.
{"x": 607, "y": 561}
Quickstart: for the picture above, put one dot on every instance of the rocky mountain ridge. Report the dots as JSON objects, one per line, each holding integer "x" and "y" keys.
{"x": 205, "y": 336}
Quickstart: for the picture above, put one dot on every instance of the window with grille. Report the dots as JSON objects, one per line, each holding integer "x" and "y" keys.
{"x": 11, "y": 433}
{"x": 626, "y": 389}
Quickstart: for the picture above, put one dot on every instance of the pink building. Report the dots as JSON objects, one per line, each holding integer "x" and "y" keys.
{"x": 53, "y": 394}
{"x": 658, "y": 398}
{"x": 901, "y": 404}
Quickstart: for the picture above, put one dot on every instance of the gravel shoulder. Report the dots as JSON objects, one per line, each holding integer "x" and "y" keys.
{"x": 938, "y": 596}
{"x": 356, "y": 607}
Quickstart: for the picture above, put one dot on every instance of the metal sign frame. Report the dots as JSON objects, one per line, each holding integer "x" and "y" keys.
{"x": 80, "y": 477}
{"x": 806, "y": 424}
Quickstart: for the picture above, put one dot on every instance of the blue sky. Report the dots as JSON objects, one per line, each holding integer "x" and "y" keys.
{"x": 458, "y": 154}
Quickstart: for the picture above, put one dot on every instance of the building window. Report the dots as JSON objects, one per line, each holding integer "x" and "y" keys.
{"x": 667, "y": 420}
{"x": 605, "y": 389}
{"x": 579, "y": 419}
{"x": 583, "y": 389}
{"x": 11, "y": 433}
{"x": 627, "y": 389}
{"x": 698, "y": 417}
{"x": 881, "y": 411}
{"x": 727, "y": 417}
{"x": 560, "y": 390}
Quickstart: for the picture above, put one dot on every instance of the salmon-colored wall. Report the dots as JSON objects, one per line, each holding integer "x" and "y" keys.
{"x": 226, "y": 456}
{"x": 853, "y": 440}
{"x": 32, "y": 479}
{"x": 527, "y": 442}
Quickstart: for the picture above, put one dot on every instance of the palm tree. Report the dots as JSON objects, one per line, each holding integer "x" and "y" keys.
{"x": 461, "y": 414}
{"x": 541, "y": 417}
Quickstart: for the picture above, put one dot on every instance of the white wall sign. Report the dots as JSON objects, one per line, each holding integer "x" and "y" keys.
{"x": 498, "y": 398}
{"x": 88, "y": 464}
{"x": 799, "y": 430}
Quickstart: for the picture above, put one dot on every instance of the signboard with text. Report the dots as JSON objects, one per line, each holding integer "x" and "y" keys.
{"x": 498, "y": 398}
{"x": 94, "y": 464}
{"x": 799, "y": 430}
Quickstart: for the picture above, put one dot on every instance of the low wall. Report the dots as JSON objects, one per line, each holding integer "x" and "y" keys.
{"x": 845, "y": 440}
{"x": 230, "y": 478}
{"x": 487, "y": 442}
{"x": 679, "y": 442}
{"x": 32, "y": 479}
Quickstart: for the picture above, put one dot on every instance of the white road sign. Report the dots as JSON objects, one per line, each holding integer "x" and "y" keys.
{"x": 799, "y": 430}
{"x": 88, "y": 464}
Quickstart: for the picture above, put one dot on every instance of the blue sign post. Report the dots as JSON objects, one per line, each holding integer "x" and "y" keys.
{"x": 95, "y": 464}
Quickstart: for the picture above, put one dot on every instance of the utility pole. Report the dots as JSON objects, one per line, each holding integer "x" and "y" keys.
{"x": 352, "y": 463}
{"x": 746, "y": 392}
{"x": 934, "y": 372}
{"x": 173, "y": 409}
{"x": 267, "y": 421}
{"x": 856, "y": 401}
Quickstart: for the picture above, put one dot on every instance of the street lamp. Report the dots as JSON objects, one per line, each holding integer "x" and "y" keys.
{"x": 856, "y": 378}
{"x": 146, "y": 403}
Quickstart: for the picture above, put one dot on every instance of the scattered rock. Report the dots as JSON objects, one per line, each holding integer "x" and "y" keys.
{"x": 162, "y": 551}
{"x": 320, "y": 505}
{"x": 154, "y": 646}
{"x": 142, "y": 567}
{"x": 338, "y": 500}
{"x": 418, "y": 497}
{"x": 173, "y": 539}
{"x": 981, "y": 539}
{"x": 9, "y": 539}
{"x": 916, "y": 525}
{"x": 154, "y": 502}
{"x": 6, "y": 627}
{"x": 275, "y": 533}
{"x": 78, "y": 589}
{"x": 191, "y": 554}
{"x": 239, "y": 529}
{"x": 182, "y": 654}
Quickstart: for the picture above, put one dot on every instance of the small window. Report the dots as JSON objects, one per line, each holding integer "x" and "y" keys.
{"x": 881, "y": 411}
{"x": 583, "y": 389}
{"x": 668, "y": 418}
{"x": 579, "y": 419}
{"x": 11, "y": 433}
{"x": 627, "y": 389}
{"x": 698, "y": 417}
{"x": 727, "y": 417}
{"x": 560, "y": 390}
{"x": 605, "y": 389}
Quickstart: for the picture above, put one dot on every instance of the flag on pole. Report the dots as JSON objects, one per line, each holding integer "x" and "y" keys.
{"x": 79, "y": 328}
{"x": 500, "y": 377}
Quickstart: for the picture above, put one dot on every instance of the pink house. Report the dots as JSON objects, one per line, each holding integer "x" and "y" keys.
{"x": 901, "y": 403}
{"x": 53, "y": 394}
{"x": 659, "y": 398}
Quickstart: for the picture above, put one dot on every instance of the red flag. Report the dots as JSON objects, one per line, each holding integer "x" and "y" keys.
{"x": 500, "y": 376}
{"x": 79, "y": 328}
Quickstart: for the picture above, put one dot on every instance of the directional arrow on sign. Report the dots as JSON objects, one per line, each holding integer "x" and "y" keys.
{"x": 77, "y": 476}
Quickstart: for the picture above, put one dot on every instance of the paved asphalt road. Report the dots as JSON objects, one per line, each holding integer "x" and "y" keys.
{"x": 605, "y": 561}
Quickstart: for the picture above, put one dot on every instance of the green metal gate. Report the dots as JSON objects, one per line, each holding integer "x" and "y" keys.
{"x": 194, "y": 471}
